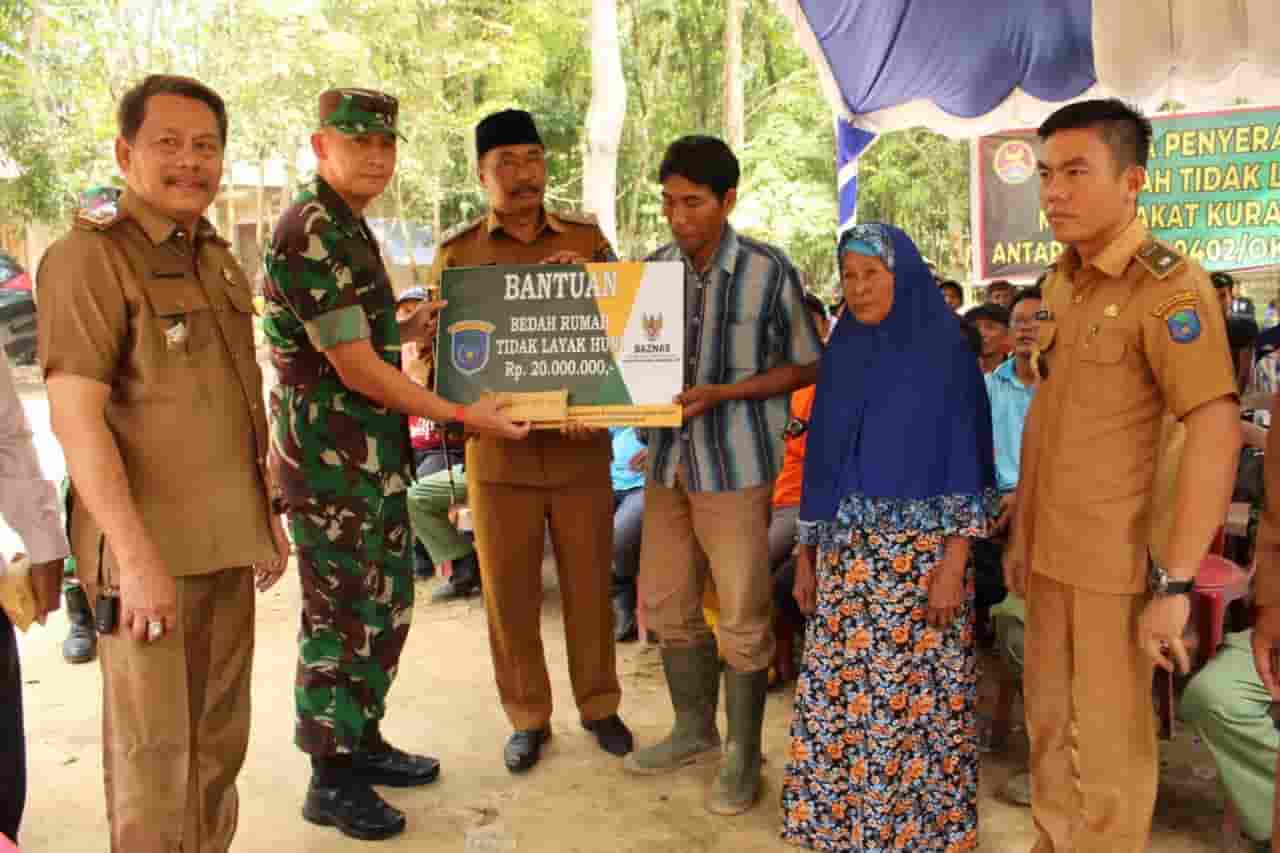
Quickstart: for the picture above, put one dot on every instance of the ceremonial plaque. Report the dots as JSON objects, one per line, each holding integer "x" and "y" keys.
{"x": 601, "y": 344}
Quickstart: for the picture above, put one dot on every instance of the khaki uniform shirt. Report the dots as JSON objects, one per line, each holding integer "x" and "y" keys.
{"x": 1132, "y": 336}
{"x": 127, "y": 301}
{"x": 546, "y": 458}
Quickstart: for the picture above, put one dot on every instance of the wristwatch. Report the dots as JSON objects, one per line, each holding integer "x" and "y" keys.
{"x": 1162, "y": 585}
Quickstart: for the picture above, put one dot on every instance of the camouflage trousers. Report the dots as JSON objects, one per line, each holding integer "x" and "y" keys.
{"x": 357, "y": 603}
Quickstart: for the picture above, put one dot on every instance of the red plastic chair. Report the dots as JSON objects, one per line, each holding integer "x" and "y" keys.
{"x": 1218, "y": 583}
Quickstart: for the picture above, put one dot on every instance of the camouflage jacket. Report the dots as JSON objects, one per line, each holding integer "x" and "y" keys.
{"x": 327, "y": 285}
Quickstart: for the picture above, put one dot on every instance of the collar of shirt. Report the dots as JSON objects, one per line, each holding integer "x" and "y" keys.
{"x": 340, "y": 212}
{"x": 549, "y": 220}
{"x": 160, "y": 228}
{"x": 726, "y": 257}
{"x": 1116, "y": 257}
{"x": 1008, "y": 373}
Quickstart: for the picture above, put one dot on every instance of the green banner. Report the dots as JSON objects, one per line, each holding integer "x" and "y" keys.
{"x": 611, "y": 335}
{"x": 1212, "y": 192}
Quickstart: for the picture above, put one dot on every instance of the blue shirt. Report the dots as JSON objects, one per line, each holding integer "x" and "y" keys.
{"x": 1010, "y": 400}
{"x": 626, "y": 444}
{"x": 744, "y": 316}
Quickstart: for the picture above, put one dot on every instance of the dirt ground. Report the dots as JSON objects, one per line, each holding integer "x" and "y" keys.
{"x": 444, "y": 703}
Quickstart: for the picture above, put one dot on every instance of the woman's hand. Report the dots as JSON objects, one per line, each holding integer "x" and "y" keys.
{"x": 805, "y": 588}
{"x": 946, "y": 587}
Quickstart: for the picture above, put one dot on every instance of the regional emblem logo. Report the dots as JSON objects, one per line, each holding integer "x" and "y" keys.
{"x": 1015, "y": 162}
{"x": 469, "y": 345}
{"x": 652, "y": 325}
{"x": 1184, "y": 326}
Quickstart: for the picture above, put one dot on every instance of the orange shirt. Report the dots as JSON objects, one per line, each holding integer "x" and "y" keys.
{"x": 786, "y": 490}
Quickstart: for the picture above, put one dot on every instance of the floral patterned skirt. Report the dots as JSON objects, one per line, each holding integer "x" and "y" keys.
{"x": 884, "y": 751}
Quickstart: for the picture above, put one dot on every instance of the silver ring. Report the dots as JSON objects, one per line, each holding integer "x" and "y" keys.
{"x": 155, "y": 630}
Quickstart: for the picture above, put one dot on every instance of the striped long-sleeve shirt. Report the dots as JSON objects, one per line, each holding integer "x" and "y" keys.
{"x": 744, "y": 316}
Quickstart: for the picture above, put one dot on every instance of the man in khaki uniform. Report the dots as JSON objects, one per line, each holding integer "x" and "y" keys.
{"x": 146, "y": 341}
{"x": 1128, "y": 330}
{"x": 515, "y": 488}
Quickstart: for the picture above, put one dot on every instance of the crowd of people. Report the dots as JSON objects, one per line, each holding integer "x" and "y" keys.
{"x": 894, "y": 480}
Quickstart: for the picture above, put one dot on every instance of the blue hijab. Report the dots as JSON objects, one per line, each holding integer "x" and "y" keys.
{"x": 901, "y": 411}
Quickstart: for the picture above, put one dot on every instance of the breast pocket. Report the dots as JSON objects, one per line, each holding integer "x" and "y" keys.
{"x": 181, "y": 325}
{"x": 1106, "y": 379}
{"x": 746, "y": 346}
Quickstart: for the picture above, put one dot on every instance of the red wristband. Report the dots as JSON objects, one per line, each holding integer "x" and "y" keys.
{"x": 460, "y": 414}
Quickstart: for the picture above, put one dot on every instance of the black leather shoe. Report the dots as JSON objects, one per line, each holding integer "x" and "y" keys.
{"x": 524, "y": 748}
{"x": 612, "y": 734}
{"x": 354, "y": 808}
{"x": 81, "y": 644}
{"x": 393, "y": 767}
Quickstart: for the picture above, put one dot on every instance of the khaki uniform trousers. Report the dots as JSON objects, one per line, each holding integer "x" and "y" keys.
{"x": 175, "y": 721}
{"x": 1084, "y": 666}
{"x": 509, "y": 525}
{"x": 690, "y": 535}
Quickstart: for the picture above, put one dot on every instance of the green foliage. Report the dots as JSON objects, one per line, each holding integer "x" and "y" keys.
{"x": 919, "y": 181}
{"x": 65, "y": 63}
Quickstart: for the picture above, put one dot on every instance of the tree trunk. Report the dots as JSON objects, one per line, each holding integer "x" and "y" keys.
{"x": 260, "y": 232}
{"x": 604, "y": 118}
{"x": 734, "y": 122}
{"x": 407, "y": 233}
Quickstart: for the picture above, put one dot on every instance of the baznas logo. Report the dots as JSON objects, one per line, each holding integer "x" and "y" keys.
{"x": 470, "y": 345}
{"x": 1015, "y": 162}
{"x": 652, "y": 326}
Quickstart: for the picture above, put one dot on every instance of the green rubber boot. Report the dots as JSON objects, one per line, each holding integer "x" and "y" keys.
{"x": 693, "y": 677}
{"x": 737, "y": 787}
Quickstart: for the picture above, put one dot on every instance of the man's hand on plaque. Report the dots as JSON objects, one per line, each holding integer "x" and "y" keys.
{"x": 420, "y": 326}
{"x": 700, "y": 399}
{"x": 564, "y": 258}
{"x": 485, "y": 416}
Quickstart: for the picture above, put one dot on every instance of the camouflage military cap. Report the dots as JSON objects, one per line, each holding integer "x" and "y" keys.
{"x": 356, "y": 111}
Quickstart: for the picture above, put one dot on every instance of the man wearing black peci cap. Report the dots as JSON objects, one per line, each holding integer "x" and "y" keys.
{"x": 517, "y": 488}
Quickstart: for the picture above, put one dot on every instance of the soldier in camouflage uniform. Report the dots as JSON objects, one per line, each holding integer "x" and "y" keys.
{"x": 340, "y": 460}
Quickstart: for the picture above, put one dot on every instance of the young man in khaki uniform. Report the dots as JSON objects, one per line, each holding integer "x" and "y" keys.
{"x": 146, "y": 341}
{"x": 563, "y": 480}
{"x": 1129, "y": 330}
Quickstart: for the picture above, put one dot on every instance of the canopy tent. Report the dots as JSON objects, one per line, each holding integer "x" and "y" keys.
{"x": 965, "y": 68}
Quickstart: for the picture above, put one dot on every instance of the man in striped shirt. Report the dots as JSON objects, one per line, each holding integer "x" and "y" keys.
{"x": 749, "y": 342}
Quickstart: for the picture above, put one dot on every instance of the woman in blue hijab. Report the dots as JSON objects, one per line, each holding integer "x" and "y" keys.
{"x": 898, "y": 478}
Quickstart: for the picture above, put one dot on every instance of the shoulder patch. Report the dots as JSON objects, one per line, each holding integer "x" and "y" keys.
{"x": 99, "y": 218}
{"x": 577, "y": 217}
{"x": 458, "y": 230}
{"x": 1159, "y": 259}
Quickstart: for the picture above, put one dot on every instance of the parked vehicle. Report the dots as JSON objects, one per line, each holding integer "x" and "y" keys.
{"x": 17, "y": 312}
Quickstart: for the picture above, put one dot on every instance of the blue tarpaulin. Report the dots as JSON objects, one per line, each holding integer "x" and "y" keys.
{"x": 969, "y": 67}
